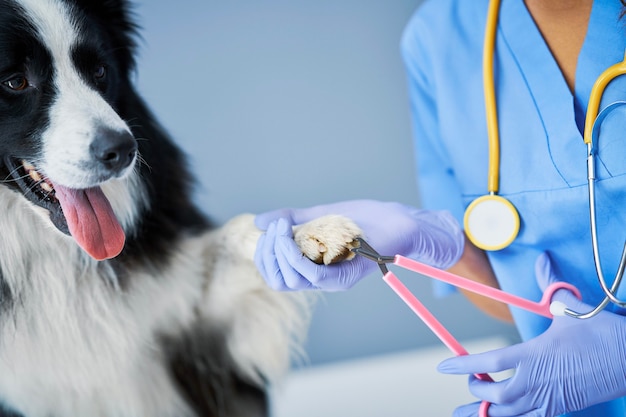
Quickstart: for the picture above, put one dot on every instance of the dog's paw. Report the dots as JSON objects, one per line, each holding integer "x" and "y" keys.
{"x": 328, "y": 239}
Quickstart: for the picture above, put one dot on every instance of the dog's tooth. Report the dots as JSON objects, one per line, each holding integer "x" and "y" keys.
{"x": 46, "y": 187}
{"x": 28, "y": 166}
{"x": 35, "y": 175}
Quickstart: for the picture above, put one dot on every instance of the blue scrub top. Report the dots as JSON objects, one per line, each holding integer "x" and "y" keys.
{"x": 543, "y": 157}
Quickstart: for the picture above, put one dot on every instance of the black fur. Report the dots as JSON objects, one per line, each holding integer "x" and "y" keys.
{"x": 6, "y": 413}
{"x": 204, "y": 372}
{"x": 169, "y": 185}
{"x": 21, "y": 115}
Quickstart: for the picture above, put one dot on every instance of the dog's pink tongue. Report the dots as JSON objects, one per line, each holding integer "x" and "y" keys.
{"x": 91, "y": 221}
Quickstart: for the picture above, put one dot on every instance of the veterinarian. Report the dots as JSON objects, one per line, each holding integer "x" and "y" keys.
{"x": 546, "y": 57}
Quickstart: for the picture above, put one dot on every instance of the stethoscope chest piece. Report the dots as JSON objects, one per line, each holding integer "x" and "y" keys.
{"x": 491, "y": 222}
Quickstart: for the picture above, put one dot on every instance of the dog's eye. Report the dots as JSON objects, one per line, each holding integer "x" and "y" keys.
{"x": 100, "y": 72}
{"x": 17, "y": 83}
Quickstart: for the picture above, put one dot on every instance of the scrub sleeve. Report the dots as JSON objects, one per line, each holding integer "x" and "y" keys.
{"x": 543, "y": 158}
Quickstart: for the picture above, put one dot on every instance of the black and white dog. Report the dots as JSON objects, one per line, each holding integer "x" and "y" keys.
{"x": 117, "y": 297}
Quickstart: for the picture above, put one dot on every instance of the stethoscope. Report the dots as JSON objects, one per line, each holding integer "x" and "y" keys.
{"x": 491, "y": 221}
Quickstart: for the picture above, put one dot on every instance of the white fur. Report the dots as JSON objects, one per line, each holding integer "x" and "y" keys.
{"x": 265, "y": 325}
{"x": 128, "y": 199}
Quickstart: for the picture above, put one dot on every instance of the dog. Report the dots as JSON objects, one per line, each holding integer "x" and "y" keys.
{"x": 118, "y": 297}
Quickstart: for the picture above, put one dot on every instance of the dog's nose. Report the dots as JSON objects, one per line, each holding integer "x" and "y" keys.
{"x": 115, "y": 150}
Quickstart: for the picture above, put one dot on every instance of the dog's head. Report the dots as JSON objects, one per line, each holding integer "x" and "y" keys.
{"x": 63, "y": 67}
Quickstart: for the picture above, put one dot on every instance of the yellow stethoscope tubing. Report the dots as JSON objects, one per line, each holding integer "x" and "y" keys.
{"x": 504, "y": 213}
{"x": 493, "y": 179}
{"x": 597, "y": 90}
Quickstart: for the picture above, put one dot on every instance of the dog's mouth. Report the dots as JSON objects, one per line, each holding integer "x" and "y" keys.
{"x": 85, "y": 214}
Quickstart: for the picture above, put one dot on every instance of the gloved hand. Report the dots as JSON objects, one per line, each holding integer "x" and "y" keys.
{"x": 571, "y": 366}
{"x": 432, "y": 237}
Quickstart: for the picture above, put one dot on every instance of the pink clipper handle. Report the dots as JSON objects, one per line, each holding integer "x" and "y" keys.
{"x": 435, "y": 325}
{"x": 542, "y": 307}
{"x": 428, "y": 318}
{"x": 483, "y": 410}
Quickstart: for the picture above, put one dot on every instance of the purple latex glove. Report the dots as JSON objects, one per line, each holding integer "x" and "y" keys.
{"x": 571, "y": 366}
{"x": 432, "y": 237}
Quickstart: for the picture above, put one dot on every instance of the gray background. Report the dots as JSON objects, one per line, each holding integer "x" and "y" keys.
{"x": 292, "y": 103}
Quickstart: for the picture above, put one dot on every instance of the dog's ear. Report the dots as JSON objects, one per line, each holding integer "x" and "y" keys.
{"x": 120, "y": 22}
